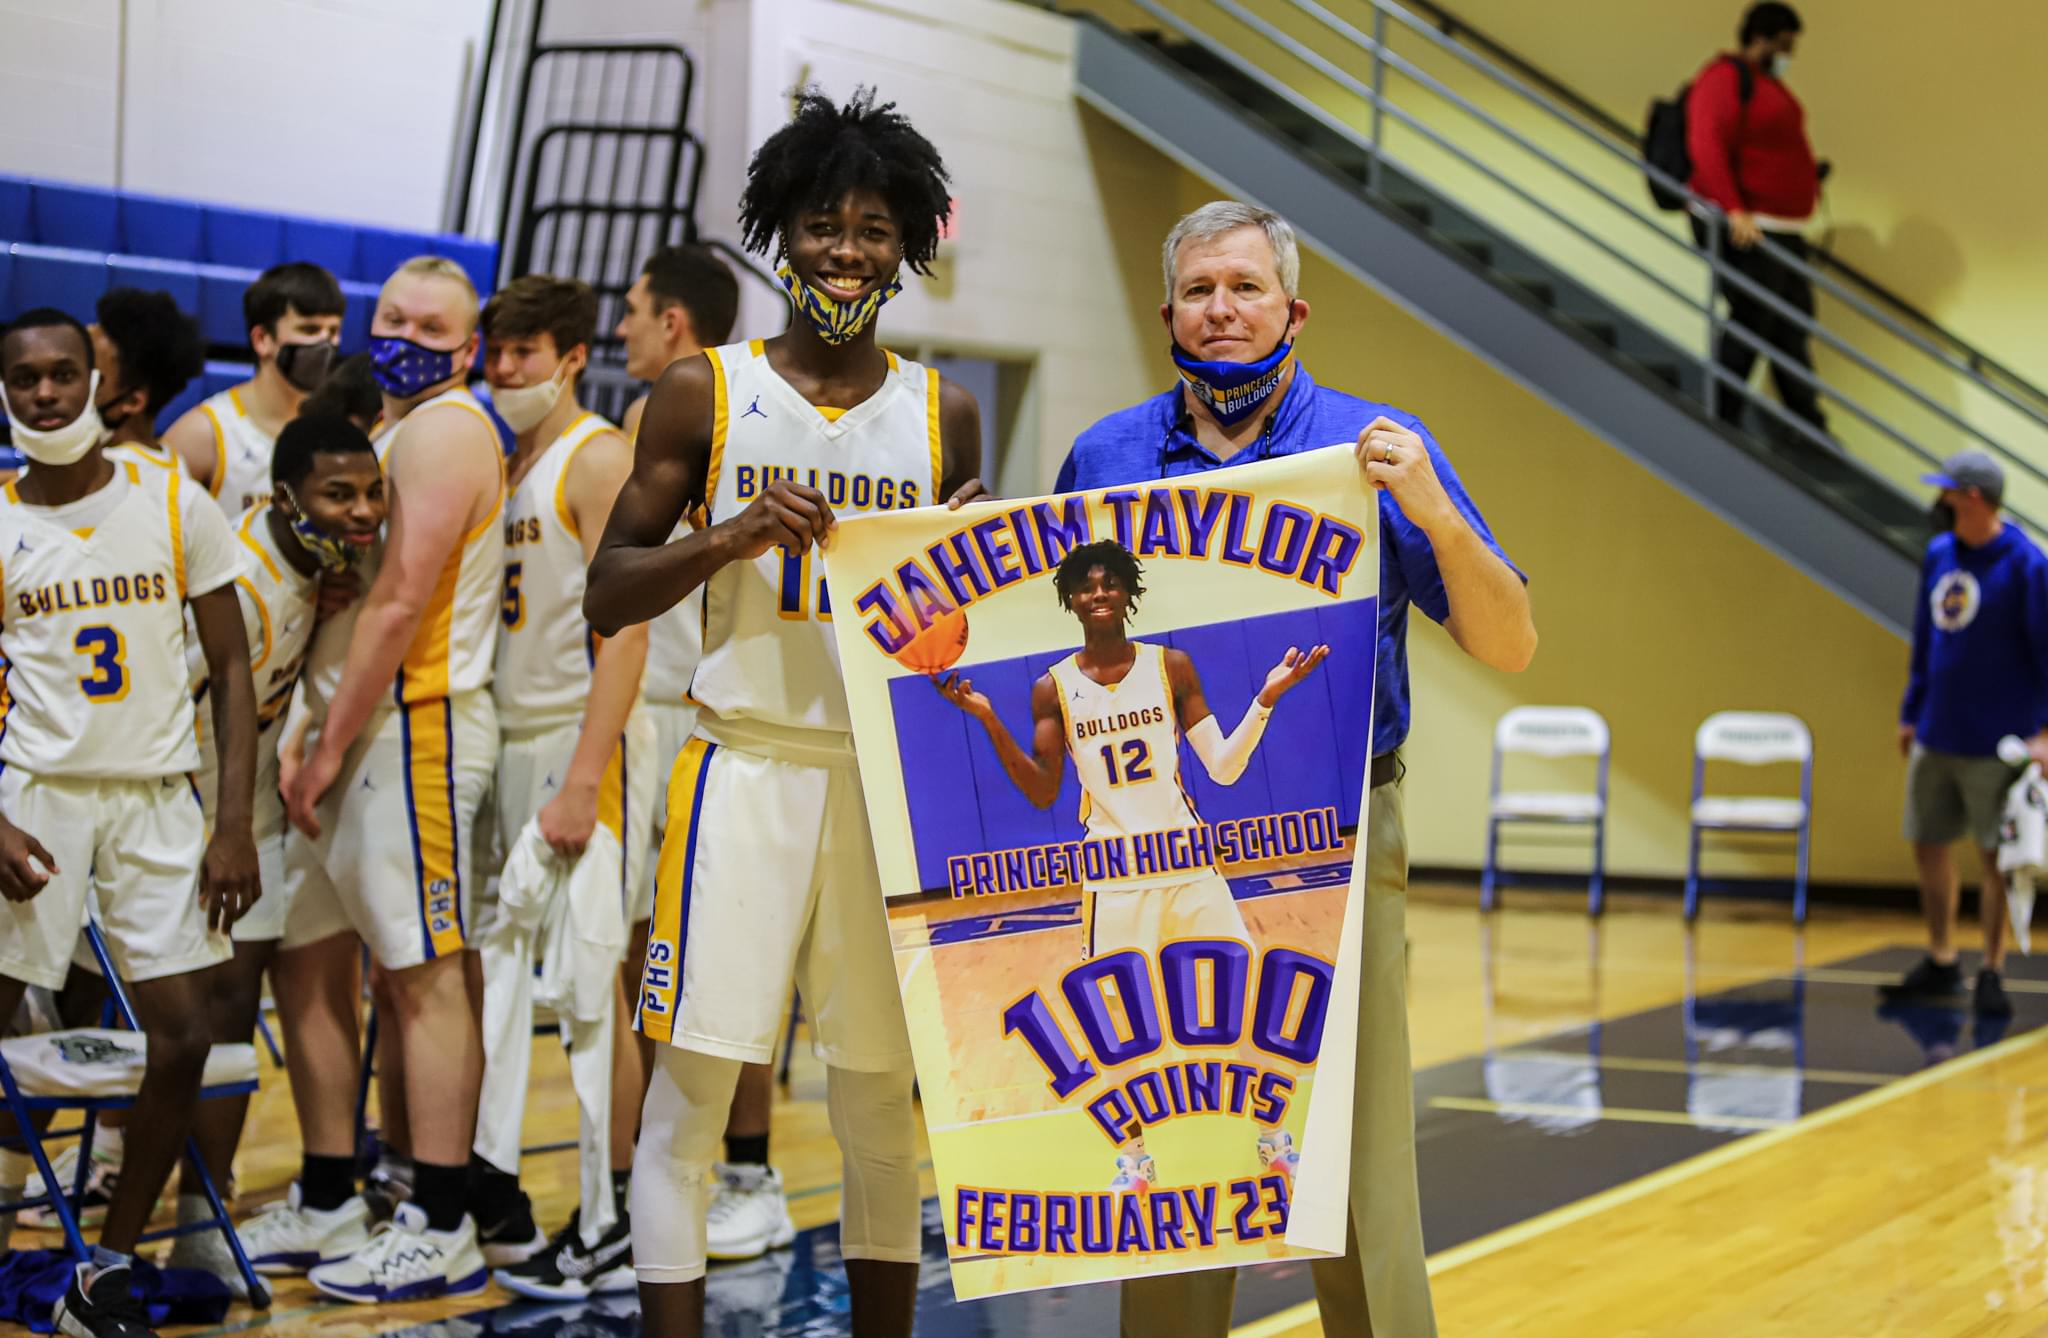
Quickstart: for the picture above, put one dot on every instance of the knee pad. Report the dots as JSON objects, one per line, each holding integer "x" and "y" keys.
{"x": 881, "y": 1216}
{"x": 680, "y": 1130}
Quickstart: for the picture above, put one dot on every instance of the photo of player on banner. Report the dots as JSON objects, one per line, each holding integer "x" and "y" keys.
{"x": 1118, "y": 824}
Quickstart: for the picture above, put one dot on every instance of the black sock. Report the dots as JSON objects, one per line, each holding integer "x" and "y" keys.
{"x": 439, "y": 1192}
{"x": 622, "y": 1192}
{"x": 325, "y": 1183}
{"x": 493, "y": 1195}
{"x": 751, "y": 1150}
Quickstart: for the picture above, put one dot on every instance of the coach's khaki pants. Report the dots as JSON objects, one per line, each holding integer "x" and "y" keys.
{"x": 1381, "y": 1286}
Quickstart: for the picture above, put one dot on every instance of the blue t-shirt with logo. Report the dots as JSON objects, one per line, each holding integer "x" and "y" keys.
{"x": 1155, "y": 439}
{"x": 1980, "y": 645}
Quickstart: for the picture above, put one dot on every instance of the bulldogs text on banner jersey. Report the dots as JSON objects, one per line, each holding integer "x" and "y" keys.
{"x": 545, "y": 649}
{"x": 1125, "y": 742}
{"x": 768, "y": 653}
{"x": 241, "y": 453}
{"x": 458, "y": 637}
{"x": 92, "y": 626}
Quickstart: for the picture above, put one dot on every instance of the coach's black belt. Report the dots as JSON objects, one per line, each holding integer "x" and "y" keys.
{"x": 1386, "y": 767}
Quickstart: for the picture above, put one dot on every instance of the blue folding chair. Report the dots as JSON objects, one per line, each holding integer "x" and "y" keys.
{"x": 1753, "y": 739}
{"x": 229, "y": 1075}
{"x": 1550, "y": 732}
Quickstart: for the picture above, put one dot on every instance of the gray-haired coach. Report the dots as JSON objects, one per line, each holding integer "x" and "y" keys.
{"x": 1234, "y": 310}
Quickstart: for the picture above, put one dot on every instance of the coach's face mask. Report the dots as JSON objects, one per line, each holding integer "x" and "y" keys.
{"x": 402, "y": 369}
{"x": 306, "y": 365}
{"x": 835, "y": 321}
{"x": 1942, "y": 515}
{"x": 332, "y": 553}
{"x": 64, "y": 445}
{"x": 1233, "y": 391}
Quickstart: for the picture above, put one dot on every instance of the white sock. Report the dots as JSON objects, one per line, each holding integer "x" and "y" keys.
{"x": 193, "y": 1208}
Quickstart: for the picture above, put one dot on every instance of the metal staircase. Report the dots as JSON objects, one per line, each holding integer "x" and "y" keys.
{"x": 1293, "y": 105}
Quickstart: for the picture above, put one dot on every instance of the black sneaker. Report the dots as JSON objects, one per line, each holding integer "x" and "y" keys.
{"x": 106, "y": 1309}
{"x": 511, "y": 1237}
{"x": 1927, "y": 979}
{"x": 1991, "y": 999}
{"x": 569, "y": 1270}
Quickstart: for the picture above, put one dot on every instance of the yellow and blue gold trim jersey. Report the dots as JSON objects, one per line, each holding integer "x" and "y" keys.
{"x": 1125, "y": 742}
{"x": 457, "y": 638}
{"x": 545, "y": 649}
{"x": 241, "y": 453}
{"x": 769, "y": 654}
{"x": 92, "y": 627}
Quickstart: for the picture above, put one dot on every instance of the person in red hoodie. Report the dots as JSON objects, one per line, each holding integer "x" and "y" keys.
{"x": 1750, "y": 156}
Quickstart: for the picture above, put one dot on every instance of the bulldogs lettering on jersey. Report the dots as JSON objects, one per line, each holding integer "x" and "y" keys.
{"x": 92, "y": 627}
{"x": 241, "y": 453}
{"x": 458, "y": 636}
{"x": 1125, "y": 742}
{"x": 768, "y": 654}
{"x": 545, "y": 649}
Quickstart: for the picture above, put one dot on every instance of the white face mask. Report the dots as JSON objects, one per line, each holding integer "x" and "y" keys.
{"x": 62, "y": 445}
{"x": 524, "y": 406}
{"x": 1780, "y": 63}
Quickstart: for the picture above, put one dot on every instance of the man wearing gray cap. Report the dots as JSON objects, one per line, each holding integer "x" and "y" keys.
{"x": 1979, "y": 672}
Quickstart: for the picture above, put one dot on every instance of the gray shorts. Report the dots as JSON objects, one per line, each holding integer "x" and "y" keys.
{"x": 1949, "y": 796}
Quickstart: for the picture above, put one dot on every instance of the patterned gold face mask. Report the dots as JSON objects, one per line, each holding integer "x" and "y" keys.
{"x": 836, "y": 322}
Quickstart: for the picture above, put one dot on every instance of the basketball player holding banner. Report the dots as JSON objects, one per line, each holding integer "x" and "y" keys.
{"x": 767, "y": 871}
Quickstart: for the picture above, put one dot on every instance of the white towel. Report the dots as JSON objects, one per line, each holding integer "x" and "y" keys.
{"x": 2023, "y": 849}
{"x": 572, "y": 916}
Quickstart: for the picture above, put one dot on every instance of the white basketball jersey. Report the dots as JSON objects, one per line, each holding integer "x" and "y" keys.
{"x": 1125, "y": 742}
{"x": 161, "y": 457}
{"x": 458, "y": 637}
{"x": 241, "y": 453}
{"x": 545, "y": 649}
{"x": 279, "y": 610}
{"x": 675, "y": 643}
{"x": 92, "y": 626}
{"x": 768, "y": 652}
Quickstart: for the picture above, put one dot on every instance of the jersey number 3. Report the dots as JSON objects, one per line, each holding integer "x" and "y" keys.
{"x": 108, "y": 681}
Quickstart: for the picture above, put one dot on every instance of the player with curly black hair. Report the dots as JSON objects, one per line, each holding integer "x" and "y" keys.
{"x": 767, "y": 871}
{"x": 1119, "y": 562}
{"x": 147, "y": 351}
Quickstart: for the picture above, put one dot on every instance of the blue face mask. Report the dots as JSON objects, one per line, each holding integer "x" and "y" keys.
{"x": 1233, "y": 391}
{"x": 836, "y": 322}
{"x": 402, "y": 369}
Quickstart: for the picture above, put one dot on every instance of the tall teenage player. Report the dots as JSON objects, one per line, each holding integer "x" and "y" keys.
{"x": 577, "y": 749}
{"x": 293, "y": 312}
{"x": 767, "y": 872}
{"x": 386, "y": 802}
{"x": 102, "y": 559}
{"x": 684, "y": 302}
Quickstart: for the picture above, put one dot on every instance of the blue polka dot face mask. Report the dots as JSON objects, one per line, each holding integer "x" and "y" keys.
{"x": 402, "y": 369}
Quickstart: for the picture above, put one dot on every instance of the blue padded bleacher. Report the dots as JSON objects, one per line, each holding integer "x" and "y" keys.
{"x": 63, "y": 245}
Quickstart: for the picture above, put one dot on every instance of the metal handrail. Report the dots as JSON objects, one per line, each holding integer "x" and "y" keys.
{"x": 1631, "y": 155}
{"x": 1374, "y": 96}
{"x": 1459, "y": 30}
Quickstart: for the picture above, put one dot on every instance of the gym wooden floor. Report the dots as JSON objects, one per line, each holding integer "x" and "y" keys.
{"x": 1918, "y": 1205}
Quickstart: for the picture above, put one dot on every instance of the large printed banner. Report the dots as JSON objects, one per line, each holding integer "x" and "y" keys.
{"x": 1118, "y": 882}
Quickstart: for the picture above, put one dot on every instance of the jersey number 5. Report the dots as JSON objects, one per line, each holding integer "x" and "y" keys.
{"x": 108, "y": 681}
{"x": 512, "y": 605}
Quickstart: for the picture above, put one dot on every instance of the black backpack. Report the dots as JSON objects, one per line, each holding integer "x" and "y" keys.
{"x": 1664, "y": 137}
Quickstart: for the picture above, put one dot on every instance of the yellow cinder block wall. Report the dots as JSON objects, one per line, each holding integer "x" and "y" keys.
{"x": 1651, "y": 609}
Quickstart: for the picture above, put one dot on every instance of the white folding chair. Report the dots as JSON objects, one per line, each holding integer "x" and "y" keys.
{"x": 1549, "y": 732}
{"x": 1752, "y": 738}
